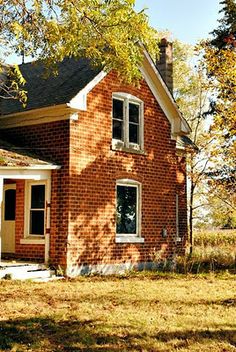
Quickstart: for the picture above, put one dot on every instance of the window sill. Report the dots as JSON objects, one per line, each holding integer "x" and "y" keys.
{"x": 178, "y": 239}
{"x": 32, "y": 240}
{"x": 131, "y": 150}
{"x": 129, "y": 239}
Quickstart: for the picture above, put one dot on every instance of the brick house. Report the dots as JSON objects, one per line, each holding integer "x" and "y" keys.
{"x": 92, "y": 171}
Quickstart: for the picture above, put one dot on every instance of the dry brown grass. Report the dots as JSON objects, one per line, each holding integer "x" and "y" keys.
{"x": 145, "y": 312}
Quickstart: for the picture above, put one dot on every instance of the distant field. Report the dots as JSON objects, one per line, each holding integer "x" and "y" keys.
{"x": 213, "y": 250}
{"x": 215, "y": 238}
{"x": 144, "y": 312}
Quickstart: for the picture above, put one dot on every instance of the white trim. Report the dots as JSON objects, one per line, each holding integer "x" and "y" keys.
{"x": 27, "y": 207}
{"x": 33, "y": 167}
{"x": 25, "y": 174}
{"x": 30, "y": 240}
{"x": 38, "y": 116}
{"x": 129, "y": 238}
{"x": 80, "y": 100}
{"x": 179, "y": 125}
{"x": 123, "y": 96}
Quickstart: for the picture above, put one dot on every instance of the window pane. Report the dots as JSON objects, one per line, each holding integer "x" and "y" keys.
{"x": 37, "y": 222}
{"x": 126, "y": 210}
{"x": 118, "y": 110}
{"x": 133, "y": 113}
{"x": 117, "y": 130}
{"x": 10, "y": 204}
{"x": 133, "y": 133}
{"x": 38, "y": 197}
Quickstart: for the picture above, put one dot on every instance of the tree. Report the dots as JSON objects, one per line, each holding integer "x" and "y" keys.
{"x": 191, "y": 95}
{"x": 220, "y": 62}
{"x": 219, "y": 59}
{"x": 108, "y": 32}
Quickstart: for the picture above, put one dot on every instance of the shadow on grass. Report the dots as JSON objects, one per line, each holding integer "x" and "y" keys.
{"x": 46, "y": 334}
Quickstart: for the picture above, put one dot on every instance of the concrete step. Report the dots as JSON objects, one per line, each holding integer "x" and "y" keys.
{"x": 26, "y": 271}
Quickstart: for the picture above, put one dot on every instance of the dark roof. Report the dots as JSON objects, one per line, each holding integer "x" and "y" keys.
{"x": 73, "y": 75}
{"x": 10, "y": 155}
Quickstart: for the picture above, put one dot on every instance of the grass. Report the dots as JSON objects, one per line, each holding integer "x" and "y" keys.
{"x": 140, "y": 312}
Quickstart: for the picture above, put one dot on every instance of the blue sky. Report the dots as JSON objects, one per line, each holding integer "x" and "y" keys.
{"x": 187, "y": 20}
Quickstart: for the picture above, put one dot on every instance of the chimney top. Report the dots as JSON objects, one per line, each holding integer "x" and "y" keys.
{"x": 165, "y": 63}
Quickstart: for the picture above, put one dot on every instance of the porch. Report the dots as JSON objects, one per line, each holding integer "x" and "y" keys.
{"x": 21, "y": 270}
{"x": 25, "y": 195}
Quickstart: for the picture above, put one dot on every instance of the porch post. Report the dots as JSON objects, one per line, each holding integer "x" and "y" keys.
{"x": 1, "y": 200}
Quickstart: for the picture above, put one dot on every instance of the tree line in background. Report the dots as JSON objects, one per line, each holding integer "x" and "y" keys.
{"x": 206, "y": 95}
{"x": 109, "y": 32}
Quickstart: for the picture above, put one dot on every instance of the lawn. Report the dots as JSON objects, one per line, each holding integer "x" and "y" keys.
{"x": 135, "y": 313}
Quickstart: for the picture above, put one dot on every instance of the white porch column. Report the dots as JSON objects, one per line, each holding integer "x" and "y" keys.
{"x": 1, "y": 200}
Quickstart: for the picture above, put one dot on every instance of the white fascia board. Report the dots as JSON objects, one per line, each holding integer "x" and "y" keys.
{"x": 80, "y": 100}
{"x": 25, "y": 174}
{"x": 33, "y": 167}
{"x": 38, "y": 116}
{"x": 179, "y": 125}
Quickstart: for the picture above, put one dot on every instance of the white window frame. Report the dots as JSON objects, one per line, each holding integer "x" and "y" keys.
{"x": 131, "y": 238}
{"x": 125, "y": 144}
{"x": 36, "y": 239}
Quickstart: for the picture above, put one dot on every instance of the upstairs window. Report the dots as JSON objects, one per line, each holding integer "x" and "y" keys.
{"x": 127, "y": 121}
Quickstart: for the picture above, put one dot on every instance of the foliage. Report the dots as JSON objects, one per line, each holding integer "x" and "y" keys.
{"x": 146, "y": 312}
{"x": 191, "y": 94}
{"x": 109, "y": 32}
{"x": 220, "y": 62}
{"x": 12, "y": 83}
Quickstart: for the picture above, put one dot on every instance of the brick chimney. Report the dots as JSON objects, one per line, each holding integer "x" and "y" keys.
{"x": 165, "y": 63}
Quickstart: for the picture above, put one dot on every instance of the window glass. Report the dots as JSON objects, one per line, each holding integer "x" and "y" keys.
{"x": 37, "y": 222}
{"x": 133, "y": 133}
{"x": 10, "y": 205}
{"x": 118, "y": 110}
{"x": 133, "y": 113}
{"x": 117, "y": 130}
{"x": 37, "y": 196}
{"x": 126, "y": 210}
{"x": 118, "y": 116}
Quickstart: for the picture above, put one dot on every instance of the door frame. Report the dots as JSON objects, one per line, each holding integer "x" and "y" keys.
{"x": 6, "y": 187}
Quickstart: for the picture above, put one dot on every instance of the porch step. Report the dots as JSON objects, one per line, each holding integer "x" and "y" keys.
{"x": 25, "y": 271}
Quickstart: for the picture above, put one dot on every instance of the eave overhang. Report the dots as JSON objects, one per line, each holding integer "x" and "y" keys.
{"x": 179, "y": 125}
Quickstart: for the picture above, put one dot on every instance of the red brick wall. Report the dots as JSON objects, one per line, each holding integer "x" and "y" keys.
{"x": 50, "y": 141}
{"x": 94, "y": 169}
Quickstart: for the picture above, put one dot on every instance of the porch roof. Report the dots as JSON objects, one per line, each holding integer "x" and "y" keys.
{"x": 16, "y": 157}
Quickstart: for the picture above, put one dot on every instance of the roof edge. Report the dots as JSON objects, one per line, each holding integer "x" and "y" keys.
{"x": 158, "y": 87}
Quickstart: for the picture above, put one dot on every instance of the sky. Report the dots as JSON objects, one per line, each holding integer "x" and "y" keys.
{"x": 187, "y": 20}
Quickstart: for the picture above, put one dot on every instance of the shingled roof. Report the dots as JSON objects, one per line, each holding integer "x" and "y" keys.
{"x": 12, "y": 156}
{"x": 73, "y": 75}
